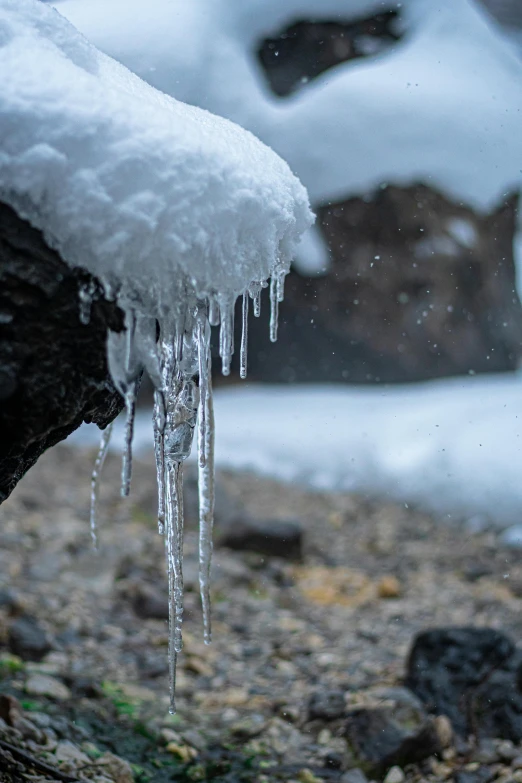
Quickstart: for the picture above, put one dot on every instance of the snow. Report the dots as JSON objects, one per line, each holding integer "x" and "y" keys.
{"x": 454, "y": 447}
{"x": 128, "y": 182}
{"x": 442, "y": 106}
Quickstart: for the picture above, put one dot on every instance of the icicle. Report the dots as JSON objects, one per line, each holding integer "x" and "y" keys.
{"x": 126, "y": 465}
{"x": 86, "y": 293}
{"x": 244, "y": 338}
{"x": 158, "y": 419}
{"x": 226, "y": 334}
{"x": 255, "y": 294}
{"x": 205, "y": 472}
{"x": 174, "y": 548}
{"x": 95, "y": 482}
{"x": 213, "y": 311}
{"x": 274, "y": 309}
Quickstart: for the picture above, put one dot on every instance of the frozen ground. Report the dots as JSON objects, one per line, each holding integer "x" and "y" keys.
{"x": 453, "y": 446}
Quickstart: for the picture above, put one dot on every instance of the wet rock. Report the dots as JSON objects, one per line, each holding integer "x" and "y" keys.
{"x": 472, "y": 676}
{"x": 327, "y": 705}
{"x": 274, "y": 538}
{"x": 43, "y": 685}
{"x": 28, "y": 639}
{"x": 380, "y": 741}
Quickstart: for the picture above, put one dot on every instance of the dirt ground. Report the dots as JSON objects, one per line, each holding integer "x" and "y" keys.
{"x": 372, "y": 576}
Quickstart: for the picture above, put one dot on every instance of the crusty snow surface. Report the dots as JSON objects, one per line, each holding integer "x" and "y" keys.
{"x": 127, "y": 181}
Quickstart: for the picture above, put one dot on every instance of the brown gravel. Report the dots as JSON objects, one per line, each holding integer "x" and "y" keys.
{"x": 373, "y": 575}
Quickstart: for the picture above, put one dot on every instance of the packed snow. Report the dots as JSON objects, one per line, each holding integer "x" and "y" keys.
{"x": 176, "y": 211}
{"x": 443, "y": 106}
{"x": 452, "y": 447}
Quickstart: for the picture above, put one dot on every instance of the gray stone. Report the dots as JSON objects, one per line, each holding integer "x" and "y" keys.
{"x": 327, "y": 705}
{"x": 28, "y": 639}
{"x": 43, "y": 685}
{"x": 273, "y": 538}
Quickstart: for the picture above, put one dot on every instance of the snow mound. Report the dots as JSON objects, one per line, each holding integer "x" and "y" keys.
{"x": 127, "y": 182}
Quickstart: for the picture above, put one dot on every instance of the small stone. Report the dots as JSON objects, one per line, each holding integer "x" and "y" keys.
{"x": 149, "y": 603}
{"x": 444, "y": 731}
{"x": 486, "y": 753}
{"x": 66, "y": 751}
{"x": 327, "y": 705}
{"x": 517, "y": 776}
{"x": 506, "y": 751}
{"x": 394, "y": 775}
{"x": 27, "y": 639}
{"x": 517, "y": 763}
{"x": 43, "y": 685}
{"x": 183, "y": 752}
{"x": 389, "y": 587}
{"x": 354, "y": 776}
{"x": 307, "y": 776}
{"x": 117, "y": 769}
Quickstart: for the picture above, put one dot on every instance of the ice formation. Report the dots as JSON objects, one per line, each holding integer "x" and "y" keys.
{"x": 176, "y": 211}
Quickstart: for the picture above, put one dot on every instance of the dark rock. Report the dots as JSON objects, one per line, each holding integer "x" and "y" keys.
{"x": 274, "y": 538}
{"x": 327, "y": 705}
{"x": 472, "y": 676}
{"x": 379, "y": 741}
{"x": 28, "y": 640}
{"x": 10, "y": 600}
{"x": 354, "y": 776}
{"x": 419, "y": 287}
{"x": 53, "y": 367}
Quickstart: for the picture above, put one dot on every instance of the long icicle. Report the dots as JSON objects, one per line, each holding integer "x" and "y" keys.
{"x": 158, "y": 418}
{"x": 174, "y": 546}
{"x": 244, "y": 338}
{"x": 126, "y": 466}
{"x": 205, "y": 477}
{"x": 274, "y": 308}
{"x": 95, "y": 483}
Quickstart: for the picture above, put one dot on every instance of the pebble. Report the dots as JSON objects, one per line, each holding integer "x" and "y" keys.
{"x": 395, "y": 775}
{"x": 389, "y": 587}
{"x": 327, "y": 705}
{"x": 275, "y": 538}
{"x": 507, "y": 751}
{"x": 43, "y": 685}
{"x": 67, "y": 751}
{"x": 27, "y": 639}
{"x": 354, "y": 776}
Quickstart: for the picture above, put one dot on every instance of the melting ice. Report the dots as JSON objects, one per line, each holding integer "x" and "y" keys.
{"x": 175, "y": 353}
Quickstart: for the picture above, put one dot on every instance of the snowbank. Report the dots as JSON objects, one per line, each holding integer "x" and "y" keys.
{"x": 442, "y": 106}
{"x": 128, "y": 182}
{"x": 453, "y": 447}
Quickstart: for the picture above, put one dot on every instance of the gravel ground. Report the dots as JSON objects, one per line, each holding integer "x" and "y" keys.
{"x": 298, "y": 643}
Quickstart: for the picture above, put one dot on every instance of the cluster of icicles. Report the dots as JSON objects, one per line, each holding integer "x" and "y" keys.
{"x": 177, "y": 357}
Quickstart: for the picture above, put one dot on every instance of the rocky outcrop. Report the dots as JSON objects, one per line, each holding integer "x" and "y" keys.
{"x": 53, "y": 369}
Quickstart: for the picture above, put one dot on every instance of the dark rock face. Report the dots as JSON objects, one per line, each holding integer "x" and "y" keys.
{"x": 471, "y": 675}
{"x": 28, "y": 640}
{"x": 419, "y": 287}
{"x": 53, "y": 369}
{"x": 274, "y": 538}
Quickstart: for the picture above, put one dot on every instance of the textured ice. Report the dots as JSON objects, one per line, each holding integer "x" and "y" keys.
{"x": 176, "y": 211}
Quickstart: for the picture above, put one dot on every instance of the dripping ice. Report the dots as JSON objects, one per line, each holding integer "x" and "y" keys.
{"x": 174, "y": 350}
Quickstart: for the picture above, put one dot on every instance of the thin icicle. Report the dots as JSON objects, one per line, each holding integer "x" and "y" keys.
{"x": 213, "y": 311}
{"x": 274, "y": 309}
{"x": 226, "y": 335}
{"x": 244, "y": 338}
{"x": 158, "y": 419}
{"x": 126, "y": 465}
{"x": 255, "y": 294}
{"x": 205, "y": 475}
{"x": 174, "y": 548}
{"x": 95, "y": 483}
